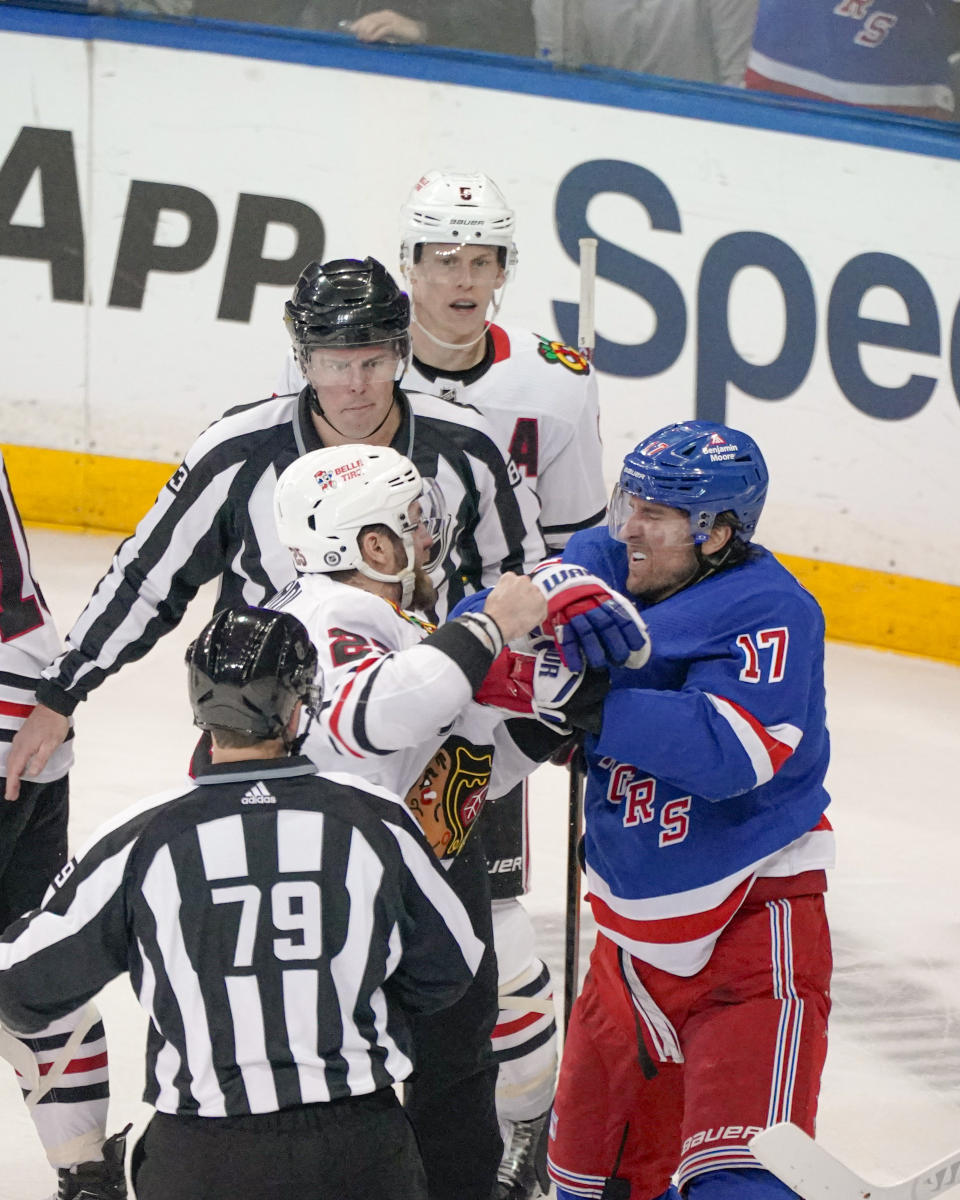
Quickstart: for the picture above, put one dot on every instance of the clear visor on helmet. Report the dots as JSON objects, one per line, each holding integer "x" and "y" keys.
{"x": 633, "y": 516}
{"x": 429, "y": 512}
{"x": 347, "y": 365}
{"x": 437, "y": 261}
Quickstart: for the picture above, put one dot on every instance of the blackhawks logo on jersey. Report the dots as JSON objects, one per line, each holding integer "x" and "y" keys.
{"x": 447, "y": 798}
{"x": 555, "y": 352}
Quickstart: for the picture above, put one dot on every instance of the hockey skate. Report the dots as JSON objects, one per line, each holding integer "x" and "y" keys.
{"x": 97, "y": 1180}
{"x": 522, "y": 1173}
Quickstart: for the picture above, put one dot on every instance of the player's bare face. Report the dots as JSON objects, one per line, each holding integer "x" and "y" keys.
{"x": 661, "y": 557}
{"x": 453, "y": 288}
{"x": 354, "y": 387}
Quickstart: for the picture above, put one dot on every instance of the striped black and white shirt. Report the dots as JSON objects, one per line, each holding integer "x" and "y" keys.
{"x": 28, "y": 637}
{"x": 279, "y": 928}
{"x": 215, "y": 518}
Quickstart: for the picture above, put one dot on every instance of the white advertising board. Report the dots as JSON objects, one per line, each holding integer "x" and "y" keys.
{"x": 805, "y": 288}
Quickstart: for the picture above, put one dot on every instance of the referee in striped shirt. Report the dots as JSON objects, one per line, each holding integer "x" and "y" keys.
{"x": 215, "y": 515}
{"x": 279, "y": 928}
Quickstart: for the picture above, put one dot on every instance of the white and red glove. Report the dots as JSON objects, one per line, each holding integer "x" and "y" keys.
{"x": 592, "y": 624}
{"x": 531, "y": 685}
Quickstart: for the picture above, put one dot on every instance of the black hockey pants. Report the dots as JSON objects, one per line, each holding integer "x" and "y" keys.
{"x": 33, "y": 845}
{"x": 353, "y": 1149}
{"x": 451, "y": 1096}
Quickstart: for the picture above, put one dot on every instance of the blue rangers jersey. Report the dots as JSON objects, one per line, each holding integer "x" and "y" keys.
{"x": 708, "y": 772}
{"x": 890, "y": 54}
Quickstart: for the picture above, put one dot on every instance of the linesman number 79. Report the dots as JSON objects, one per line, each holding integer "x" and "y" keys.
{"x": 294, "y": 907}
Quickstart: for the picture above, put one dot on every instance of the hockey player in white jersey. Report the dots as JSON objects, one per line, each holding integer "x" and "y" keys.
{"x": 458, "y": 255}
{"x": 398, "y": 709}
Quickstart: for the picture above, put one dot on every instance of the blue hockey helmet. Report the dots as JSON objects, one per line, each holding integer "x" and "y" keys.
{"x": 699, "y": 466}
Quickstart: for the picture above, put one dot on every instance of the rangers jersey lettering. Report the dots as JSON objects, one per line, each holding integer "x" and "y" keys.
{"x": 889, "y": 54}
{"x": 708, "y": 771}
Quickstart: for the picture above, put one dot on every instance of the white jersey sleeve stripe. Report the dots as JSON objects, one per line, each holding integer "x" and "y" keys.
{"x": 883, "y": 95}
{"x": 341, "y": 707}
{"x": 767, "y": 747}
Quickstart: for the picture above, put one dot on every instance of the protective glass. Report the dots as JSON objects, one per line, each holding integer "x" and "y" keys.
{"x": 657, "y": 519}
{"x": 345, "y": 366}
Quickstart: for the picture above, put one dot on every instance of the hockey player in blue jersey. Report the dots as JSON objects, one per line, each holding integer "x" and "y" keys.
{"x": 703, "y": 1016}
{"x": 893, "y": 56}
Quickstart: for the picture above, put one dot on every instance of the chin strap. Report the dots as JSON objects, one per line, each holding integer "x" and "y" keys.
{"x": 454, "y": 345}
{"x": 406, "y": 578}
{"x": 495, "y": 307}
{"x": 295, "y": 745}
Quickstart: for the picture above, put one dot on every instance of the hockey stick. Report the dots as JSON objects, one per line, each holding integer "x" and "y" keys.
{"x": 586, "y": 338}
{"x": 571, "y": 964}
{"x": 815, "y": 1174}
{"x": 586, "y": 330}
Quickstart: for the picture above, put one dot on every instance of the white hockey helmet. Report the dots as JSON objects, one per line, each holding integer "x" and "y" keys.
{"x": 451, "y": 207}
{"x": 324, "y": 498}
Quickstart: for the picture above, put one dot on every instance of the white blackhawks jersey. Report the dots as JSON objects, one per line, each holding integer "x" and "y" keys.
{"x": 400, "y": 713}
{"x": 540, "y": 398}
{"x": 28, "y": 637}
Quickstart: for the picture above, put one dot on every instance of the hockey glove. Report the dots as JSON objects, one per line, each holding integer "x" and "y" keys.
{"x": 543, "y": 687}
{"x": 531, "y": 685}
{"x": 591, "y": 623}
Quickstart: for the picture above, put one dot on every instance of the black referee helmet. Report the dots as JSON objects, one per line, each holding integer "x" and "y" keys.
{"x": 344, "y": 303}
{"x": 247, "y": 670}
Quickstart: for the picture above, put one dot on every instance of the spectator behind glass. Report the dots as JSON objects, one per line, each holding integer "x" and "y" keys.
{"x": 704, "y": 40}
{"x": 504, "y": 26}
{"x": 897, "y": 59}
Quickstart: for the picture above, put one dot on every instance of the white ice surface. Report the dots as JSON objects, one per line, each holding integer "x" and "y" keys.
{"x": 890, "y": 1102}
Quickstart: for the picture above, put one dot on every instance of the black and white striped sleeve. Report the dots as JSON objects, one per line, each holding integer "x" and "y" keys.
{"x": 434, "y": 947}
{"x": 507, "y": 534}
{"x": 57, "y": 957}
{"x": 187, "y": 538}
